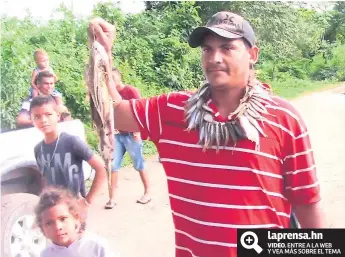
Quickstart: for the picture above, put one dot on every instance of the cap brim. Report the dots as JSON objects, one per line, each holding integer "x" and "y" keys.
{"x": 197, "y": 36}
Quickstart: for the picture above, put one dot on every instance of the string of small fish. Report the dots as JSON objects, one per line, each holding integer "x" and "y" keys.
{"x": 242, "y": 123}
{"x": 102, "y": 111}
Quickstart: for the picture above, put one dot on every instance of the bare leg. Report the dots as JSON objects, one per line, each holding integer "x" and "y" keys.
{"x": 115, "y": 167}
{"x": 113, "y": 184}
{"x": 135, "y": 151}
{"x": 112, "y": 188}
{"x": 145, "y": 179}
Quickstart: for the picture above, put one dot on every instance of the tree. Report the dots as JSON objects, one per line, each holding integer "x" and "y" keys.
{"x": 336, "y": 29}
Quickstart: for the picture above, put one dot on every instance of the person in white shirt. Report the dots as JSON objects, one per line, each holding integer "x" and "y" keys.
{"x": 59, "y": 215}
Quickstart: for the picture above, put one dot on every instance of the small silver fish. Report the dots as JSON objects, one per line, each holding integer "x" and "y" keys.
{"x": 226, "y": 135}
{"x": 191, "y": 123}
{"x": 202, "y": 90}
{"x": 232, "y": 132}
{"x": 208, "y": 117}
{"x": 201, "y": 134}
{"x": 198, "y": 118}
{"x": 253, "y": 112}
{"x": 218, "y": 135}
{"x": 207, "y": 108}
{"x": 259, "y": 105}
{"x": 199, "y": 103}
{"x": 239, "y": 131}
{"x": 255, "y": 124}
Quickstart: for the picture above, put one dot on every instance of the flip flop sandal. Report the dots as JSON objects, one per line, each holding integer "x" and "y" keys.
{"x": 109, "y": 205}
{"x": 144, "y": 200}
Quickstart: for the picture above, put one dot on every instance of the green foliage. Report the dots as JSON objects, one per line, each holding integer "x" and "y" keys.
{"x": 336, "y": 29}
{"x": 297, "y": 47}
{"x": 65, "y": 42}
{"x": 329, "y": 66}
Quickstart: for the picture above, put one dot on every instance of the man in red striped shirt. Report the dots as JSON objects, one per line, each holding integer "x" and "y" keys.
{"x": 234, "y": 155}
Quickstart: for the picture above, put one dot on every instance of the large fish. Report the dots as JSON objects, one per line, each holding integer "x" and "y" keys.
{"x": 102, "y": 111}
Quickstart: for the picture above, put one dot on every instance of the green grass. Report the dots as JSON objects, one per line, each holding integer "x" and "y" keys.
{"x": 294, "y": 88}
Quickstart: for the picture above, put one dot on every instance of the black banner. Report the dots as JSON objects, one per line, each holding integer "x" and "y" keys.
{"x": 290, "y": 242}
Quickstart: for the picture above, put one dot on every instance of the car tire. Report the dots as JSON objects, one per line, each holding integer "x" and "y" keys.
{"x": 18, "y": 230}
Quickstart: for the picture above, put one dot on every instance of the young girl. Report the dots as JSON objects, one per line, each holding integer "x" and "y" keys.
{"x": 42, "y": 61}
{"x": 58, "y": 214}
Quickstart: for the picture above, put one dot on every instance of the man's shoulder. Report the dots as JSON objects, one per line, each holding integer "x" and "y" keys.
{"x": 178, "y": 97}
{"x": 132, "y": 88}
{"x": 287, "y": 114}
{"x": 283, "y": 103}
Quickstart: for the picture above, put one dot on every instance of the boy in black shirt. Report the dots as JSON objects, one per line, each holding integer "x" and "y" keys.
{"x": 60, "y": 155}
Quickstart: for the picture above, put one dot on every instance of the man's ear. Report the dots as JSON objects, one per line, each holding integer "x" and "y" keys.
{"x": 253, "y": 55}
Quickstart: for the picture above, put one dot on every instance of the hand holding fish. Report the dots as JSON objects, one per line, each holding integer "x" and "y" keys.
{"x": 103, "y": 32}
{"x": 101, "y": 35}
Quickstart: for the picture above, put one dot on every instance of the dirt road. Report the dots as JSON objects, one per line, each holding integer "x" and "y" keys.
{"x": 147, "y": 230}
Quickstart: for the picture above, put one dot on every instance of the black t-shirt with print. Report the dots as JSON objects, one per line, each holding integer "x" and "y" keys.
{"x": 65, "y": 166}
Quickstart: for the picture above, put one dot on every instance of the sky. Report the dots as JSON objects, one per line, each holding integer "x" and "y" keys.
{"x": 43, "y": 9}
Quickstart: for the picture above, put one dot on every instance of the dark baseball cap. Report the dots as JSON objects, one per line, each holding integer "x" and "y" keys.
{"x": 225, "y": 24}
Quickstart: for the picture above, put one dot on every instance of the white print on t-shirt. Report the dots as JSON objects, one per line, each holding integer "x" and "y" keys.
{"x": 54, "y": 170}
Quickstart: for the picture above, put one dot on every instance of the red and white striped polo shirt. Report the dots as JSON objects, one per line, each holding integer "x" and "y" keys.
{"x": 212, "y": 194}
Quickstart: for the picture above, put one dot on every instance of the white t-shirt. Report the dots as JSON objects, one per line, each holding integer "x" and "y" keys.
{"x": 89, "y": 245}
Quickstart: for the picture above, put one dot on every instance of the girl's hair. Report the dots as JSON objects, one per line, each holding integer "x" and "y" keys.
{"x": 52, "y": 196}
{"x": 39, "y": 52}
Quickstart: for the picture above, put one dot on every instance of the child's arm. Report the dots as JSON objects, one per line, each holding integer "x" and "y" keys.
{"x": 82, "y": 150}
{"x": 100, "y": 177}
{"x": 33, "y": 80}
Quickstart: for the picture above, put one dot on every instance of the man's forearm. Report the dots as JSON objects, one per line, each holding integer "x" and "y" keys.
{"x": 115, "y": 96}
{"x": 110, "y": 58}
{"x": 311, "y": 215}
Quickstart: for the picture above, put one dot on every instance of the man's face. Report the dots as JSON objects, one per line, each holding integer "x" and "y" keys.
{"x": 226, "y": 62}
{"x": 47, "y": 85}
{"x": 45, "y": 118}
{"x": 59, "y": 225}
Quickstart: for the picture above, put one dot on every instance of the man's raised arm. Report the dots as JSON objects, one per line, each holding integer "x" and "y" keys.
{"x": 104, "y": 33}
